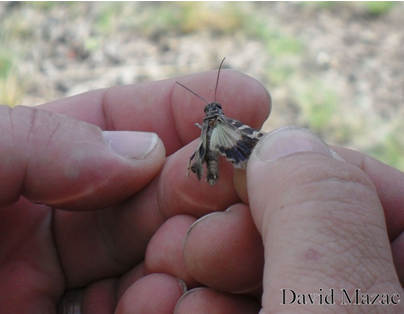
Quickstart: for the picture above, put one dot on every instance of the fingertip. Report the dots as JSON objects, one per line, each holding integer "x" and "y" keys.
{"x": 68, "y": 164}
{"x": 222, "y": 244}
{"x": 164, "y": 253}
{"x": 277, "y": 144}
{"x": 116, "y": 168}
{"x": 155, "y": 293}
{"x": 287, "y": 141}
{"x": 305, "y": 198}
{"x": 205, "y": 300}
{"x": 240, "y": 184}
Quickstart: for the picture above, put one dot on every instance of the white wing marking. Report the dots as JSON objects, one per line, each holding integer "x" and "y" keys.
{"x": 224, "y": 136}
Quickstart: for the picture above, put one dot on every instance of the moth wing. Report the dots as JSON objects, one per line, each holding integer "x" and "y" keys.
{"x": 199, "y": 154}
{"x": 234, "y": 140}
{"x": 245, "y": 129}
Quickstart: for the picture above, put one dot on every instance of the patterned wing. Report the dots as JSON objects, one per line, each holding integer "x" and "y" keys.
{"x": 234, "y": 140}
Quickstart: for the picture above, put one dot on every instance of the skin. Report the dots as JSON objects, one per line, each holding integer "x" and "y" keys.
{"x": 127, "y": 233}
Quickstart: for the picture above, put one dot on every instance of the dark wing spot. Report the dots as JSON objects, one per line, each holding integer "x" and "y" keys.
{"x": 241, "y": 151}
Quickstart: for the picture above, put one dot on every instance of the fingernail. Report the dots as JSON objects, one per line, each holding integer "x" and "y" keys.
{"x": 198, "y": 221}
{"x": 136, "y": 145}
{"x": 187, "y": 293}
{"x": 290, "y": 140}
{"x": 183, "y": 285}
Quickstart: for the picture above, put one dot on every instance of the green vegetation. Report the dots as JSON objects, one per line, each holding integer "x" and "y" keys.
{"x": 322, "y": 107}
{"x": 41, "y": 5}
{"x": 11, "y": 90}
{"x": 191, "y": 17}
{"x": 378, "y": 8}
{"x": 372, "y": 8}
{"x": 6, "y": 63}
{"x": 224, "y": 18}
{"x": 318, "y": 104}
{"x": 390, "y": 147}
{"x": 108, "y": 17}
{"x": 282, "y": 48}
{"x": 159, "y": 18}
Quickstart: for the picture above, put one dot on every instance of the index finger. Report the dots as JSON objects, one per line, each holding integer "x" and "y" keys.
{"x": 168, "y": 109}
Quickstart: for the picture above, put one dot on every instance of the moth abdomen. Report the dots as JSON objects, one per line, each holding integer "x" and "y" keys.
{"x": 212, "y": 167}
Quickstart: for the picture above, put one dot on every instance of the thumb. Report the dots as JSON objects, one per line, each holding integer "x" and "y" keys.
{"x": 54, "y": 159}
{"x": 322, "y": 226}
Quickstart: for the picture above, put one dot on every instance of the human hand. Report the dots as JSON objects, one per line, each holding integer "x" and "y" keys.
{"x": 322, "y": 222}
{"x": 77, "y": 214}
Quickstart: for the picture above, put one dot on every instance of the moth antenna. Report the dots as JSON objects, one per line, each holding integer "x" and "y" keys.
{"x": 217, "y": 80}
{"x": 193, "y": 93}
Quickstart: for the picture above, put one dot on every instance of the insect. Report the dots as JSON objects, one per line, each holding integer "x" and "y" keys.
{"x": 221, "y": 135}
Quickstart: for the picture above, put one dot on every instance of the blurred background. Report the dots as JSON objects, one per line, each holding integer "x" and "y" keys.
{"x": 336, "y": 68}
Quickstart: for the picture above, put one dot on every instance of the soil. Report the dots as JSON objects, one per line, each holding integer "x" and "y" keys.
{"x": 67, "y": 49}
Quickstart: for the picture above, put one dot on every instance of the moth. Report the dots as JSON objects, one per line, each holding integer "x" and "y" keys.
{"x": 221, "y": 135}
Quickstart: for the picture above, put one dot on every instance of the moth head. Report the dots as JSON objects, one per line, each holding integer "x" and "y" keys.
{"x": 213, "y": 107}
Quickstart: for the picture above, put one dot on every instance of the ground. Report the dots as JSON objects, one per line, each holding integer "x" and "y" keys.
{"x": 336, "y": 68}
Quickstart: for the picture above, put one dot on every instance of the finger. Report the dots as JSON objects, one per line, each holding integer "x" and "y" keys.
{"x": 98, "y": 297}
{"x": 112, "y": 241}
{"x": 321, "y": 222}
{"x": 54, "y": 159}
{"x": 389, "y": 183}
{"x": 31, "y": 278}
{"x": 101, "y": 296}
{"x": 156, "y": 293}
{"x": 247, "y": 100}
{"x": 168, "y": 109}
{"x": 240, "y": 184}
{"x": 188, "y": 195}
{"x": 223, "y": 244}
{"x": 203, "y": 300}
{"x": 164, "y": 252}
{"x": 171, "y": 111}
{"x": 135, "y": 293}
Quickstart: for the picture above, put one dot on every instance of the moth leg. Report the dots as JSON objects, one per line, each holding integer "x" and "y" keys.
{"x": 197, "y": 169}
{"x": 197, "y": 166}
{"x": 198, "y": 125}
